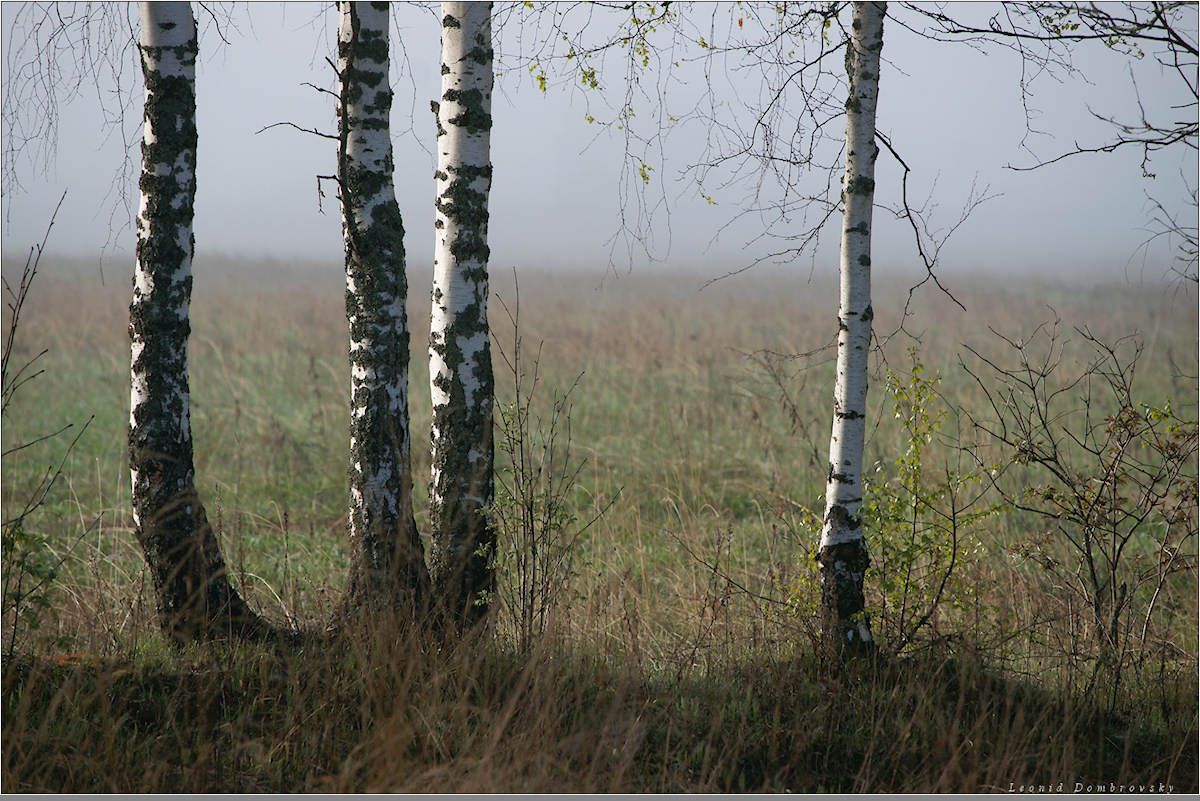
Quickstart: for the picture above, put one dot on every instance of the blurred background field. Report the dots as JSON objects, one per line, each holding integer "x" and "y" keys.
{"x": 698, "y": 423}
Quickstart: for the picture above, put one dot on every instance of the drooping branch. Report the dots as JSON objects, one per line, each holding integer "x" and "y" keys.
{"x": 1046, "y": 37}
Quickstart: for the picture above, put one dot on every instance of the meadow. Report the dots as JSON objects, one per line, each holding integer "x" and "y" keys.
{"x": 654, "y": 626}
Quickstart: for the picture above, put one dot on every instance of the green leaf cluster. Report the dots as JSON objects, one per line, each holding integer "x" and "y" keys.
{"x": 919, "y": 522}
{"x": 920, "y": 519}
{"x": 30, "y": 569}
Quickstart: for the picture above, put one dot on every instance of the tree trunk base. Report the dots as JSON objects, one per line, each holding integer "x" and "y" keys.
{"x": 846, "y": 628}
{"x": 196, "y": 602}
{"x": 394, "y": 582}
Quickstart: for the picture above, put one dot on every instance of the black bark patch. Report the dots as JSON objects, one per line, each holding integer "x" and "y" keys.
{"x": 387, "y": 568}
{"x": 194, "y": 597}
{"x": 843, "y": 567}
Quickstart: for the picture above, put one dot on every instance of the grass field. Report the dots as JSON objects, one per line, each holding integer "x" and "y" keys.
{"x": 677, "y": 653}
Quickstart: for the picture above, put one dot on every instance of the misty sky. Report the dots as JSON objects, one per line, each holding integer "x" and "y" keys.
{"x": 956, "y": 115}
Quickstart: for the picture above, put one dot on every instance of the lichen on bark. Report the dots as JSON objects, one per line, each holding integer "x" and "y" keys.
{"x": 387, "y": 558}
{"x": 194, "y": 597}
{"x": 461, "y": 380}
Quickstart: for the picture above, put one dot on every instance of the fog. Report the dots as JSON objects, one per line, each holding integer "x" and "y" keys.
{"x": 956, "y": 115}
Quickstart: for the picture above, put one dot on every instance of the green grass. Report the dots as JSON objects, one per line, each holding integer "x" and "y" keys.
{"x": 665, "y": 668}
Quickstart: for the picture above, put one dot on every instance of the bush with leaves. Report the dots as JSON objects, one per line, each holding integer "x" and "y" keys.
{"x": 924, "y": 521}
{"x": 1109, "y": 481}
{"x": 920, "y": 522}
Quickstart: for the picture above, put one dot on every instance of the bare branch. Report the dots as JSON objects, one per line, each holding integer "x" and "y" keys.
{"x": 321, "y": 89}
{"x": 312, "y": 131}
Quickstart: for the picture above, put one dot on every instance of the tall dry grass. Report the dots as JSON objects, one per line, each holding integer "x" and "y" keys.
{"x": 674, "y": 660}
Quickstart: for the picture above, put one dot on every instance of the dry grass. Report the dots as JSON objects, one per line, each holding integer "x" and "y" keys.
{"x": 385, "y": 711}
{"x": 664, "y": 669}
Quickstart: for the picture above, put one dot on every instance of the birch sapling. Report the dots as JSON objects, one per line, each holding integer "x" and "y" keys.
{"x": 843, "y": 552}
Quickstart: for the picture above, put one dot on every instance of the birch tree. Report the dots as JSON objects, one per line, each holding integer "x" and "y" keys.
{"x": 195, "y": 598}
{"x": 777, "y": 139}
{"x": 843, "y": 552}
{"x": 387, "y": 558}
{"x": 460, "y": 362}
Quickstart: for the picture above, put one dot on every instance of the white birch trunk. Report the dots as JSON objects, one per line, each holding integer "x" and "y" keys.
{"x": 194, "y": 595}
{"x": 460, "y": 364}
{"x": 843, "y": 552}
{"x": 387, "y": 560}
